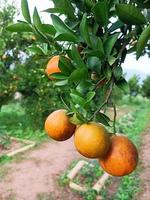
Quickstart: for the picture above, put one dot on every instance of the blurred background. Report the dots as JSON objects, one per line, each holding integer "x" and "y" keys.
{"x": 27, "y": 96}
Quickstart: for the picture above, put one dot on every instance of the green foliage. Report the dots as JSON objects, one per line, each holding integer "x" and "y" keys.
{"x": 15, "y": 122}
{"x": 145, "y": 87}
{"x": 11, "y": 46}
{"x": 134, "y": 85}
{"x": 92, "y": 44}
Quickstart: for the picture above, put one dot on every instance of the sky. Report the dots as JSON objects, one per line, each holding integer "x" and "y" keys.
{"x": 131, "y": 66}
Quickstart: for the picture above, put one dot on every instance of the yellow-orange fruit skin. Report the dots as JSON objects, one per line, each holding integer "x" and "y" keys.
{"x": 122, "y": 157}
{"x": 58, "y": 126}
{"x": 52, "y": 66}
{"x": 92, "y": 140}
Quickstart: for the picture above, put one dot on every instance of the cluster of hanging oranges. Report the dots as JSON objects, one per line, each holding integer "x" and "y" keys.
{"x": 117, "y": 155}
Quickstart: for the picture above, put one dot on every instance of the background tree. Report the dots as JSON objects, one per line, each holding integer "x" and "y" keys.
{"x": 12, "y": 45}
{"x": 134, "y": 85}
{"x": 146, "y": 87}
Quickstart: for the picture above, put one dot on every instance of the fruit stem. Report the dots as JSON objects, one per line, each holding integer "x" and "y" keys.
{"x": 114, "y": 121}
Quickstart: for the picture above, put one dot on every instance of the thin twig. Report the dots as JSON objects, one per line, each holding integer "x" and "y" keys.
{"x": 105, "y": 101}
{"x": 114, "y": 121}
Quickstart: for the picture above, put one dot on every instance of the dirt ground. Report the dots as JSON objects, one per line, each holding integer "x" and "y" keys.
{"x": 35, "y": 177}
{"x": 145, "y": 173}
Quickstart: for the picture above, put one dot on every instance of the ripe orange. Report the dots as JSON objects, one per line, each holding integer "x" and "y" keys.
{"x": 122, "y": 157}
{"x": 92, "y": 140}
{"x": 58, "y": 126}
{"x": 52, "y": 66}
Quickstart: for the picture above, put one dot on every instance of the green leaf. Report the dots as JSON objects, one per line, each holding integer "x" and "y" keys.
{"x": 78, "y": 75}
{"x": 36, "y": 18}
{"x": 90, "y": 95}
{"x": 100, "y": 11}
{"x": 66, "y": 8}
{"x": 47, "y": 28}
{"x": 36, "y": 50}
{"x": 64, "y": 37}
{"x": 109, "y": 43}
{"x": 97, "y": 45}
{"x": 65, "y": 65}
{"x": 61, "y": 28}
{"x": 108, "y": 72}
{"x": 19, "y": 27}
{"x": 61, "y": 83}
{"x": 111, "y": 60}
{"x": 123, "y": 85}
{"x": 130, "y": 14}
{"x": 77, "y": 58}
{"x": 84, "y": 30}
{"x": 144, "y": 37}
{"x": 77, "y": 99}
{"x": 117, "y": 72}
{"x": 55, "y": 10}
{"x": 77, "y": 119}
{"x": 25, "y": 10}
{"x": 102, "y": 118}
{"x": 118, "y": 24}
{"x": 59, "y": 76}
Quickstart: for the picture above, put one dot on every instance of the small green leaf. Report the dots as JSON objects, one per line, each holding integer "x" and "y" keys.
{"x": 117, "y": 72}
{"x": 25, "y": 10}
{"x": 97, "y": 45}
{"x": 19, "y": 27}
{"x": 77, "y": 99}
{"x": 77, "y": 119}
{"x": 78, "y": 75}
{"x": 118, "y": 24}
{"x": 123, "y": 85}
{"x": 62, "y": 28}
{"x": 47, "y": 28}
{"x": 55, "y": 10}
{"x": 144, "y": 37}
{"x": 84, "y": 30}
{"x": 59, "y": 76}
{"x": 61, "y": 83}
{"x": 130, "y": 14}
{"x": 77, "y": 58}
{"x": 108, "y": 72}
{"x": 37, "y": 50}
{"x": 65, "y": 8}
{"x": 64, "y": 37}
{"x": 36, "y": 18}
{"x": 100, "y": 11}
{"x": 102, "y": 118}
{"x": 111, "y": 60}
{"x": 90, "y": 95}
{"x": 65, "y": 65}
{"x": 109, "y": 43}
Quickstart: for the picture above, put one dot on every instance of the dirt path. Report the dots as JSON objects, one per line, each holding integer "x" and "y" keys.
{"x": 145, "y": 174}
{"x": 35, "y": 177}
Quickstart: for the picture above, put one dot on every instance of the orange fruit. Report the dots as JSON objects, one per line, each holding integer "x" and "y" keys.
{"x": 92, "y": 140}
{"x": 58, "y": 126}
{"x": 122, "y": 157}
{"x": 52, "y": 66}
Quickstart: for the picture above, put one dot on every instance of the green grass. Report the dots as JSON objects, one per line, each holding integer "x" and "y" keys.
{"x": 15, "y": 122}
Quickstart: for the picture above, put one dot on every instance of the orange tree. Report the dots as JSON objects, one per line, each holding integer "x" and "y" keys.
{"x": 11, "y": 47}
{"x": 92, "y": 39}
